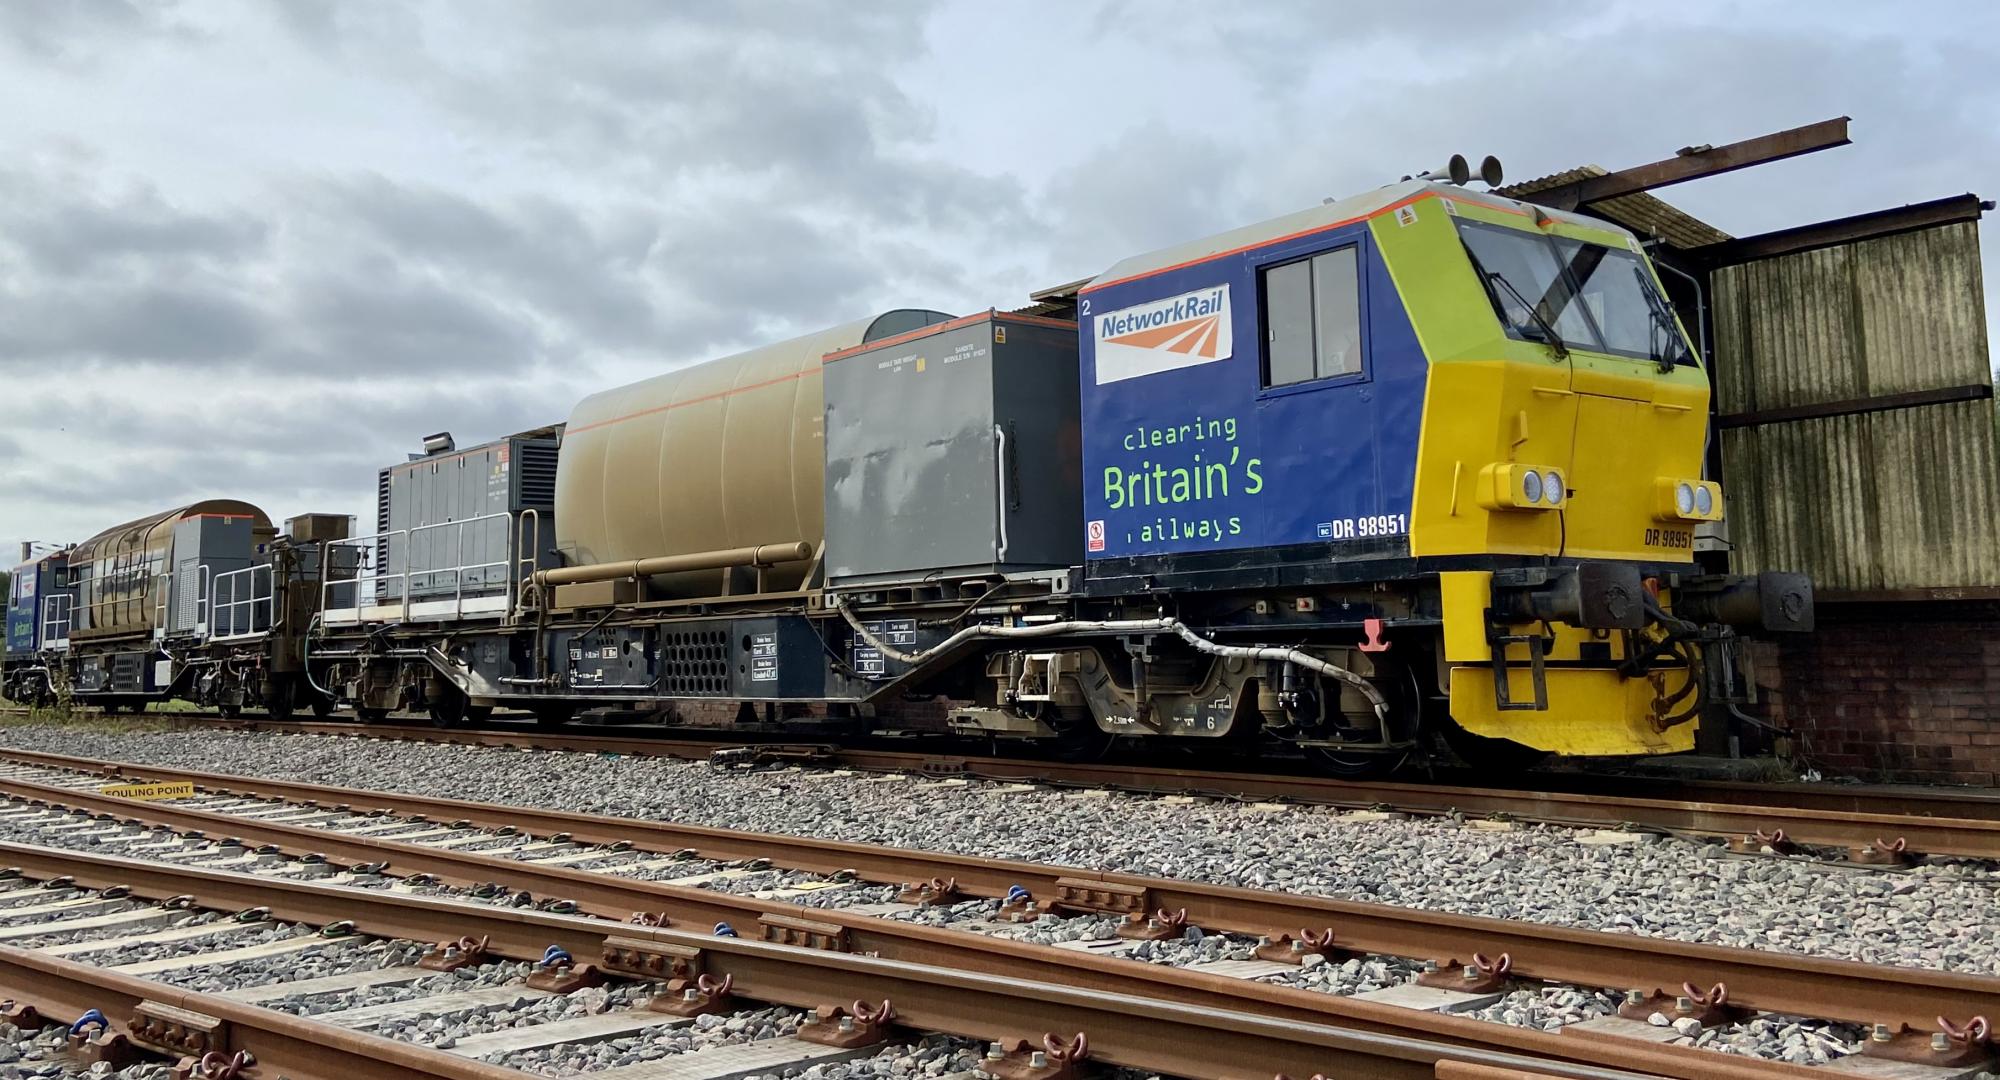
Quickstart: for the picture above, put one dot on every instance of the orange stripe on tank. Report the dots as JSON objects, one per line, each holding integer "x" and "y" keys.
{"x": 691, "y": 401}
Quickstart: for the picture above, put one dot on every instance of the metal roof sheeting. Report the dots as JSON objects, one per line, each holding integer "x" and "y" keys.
{"x": 1644, "y": 214}
{"x": 1897, "y": 499}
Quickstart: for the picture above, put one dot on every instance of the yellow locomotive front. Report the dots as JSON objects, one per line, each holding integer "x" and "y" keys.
{"x": 1565, "y": 421}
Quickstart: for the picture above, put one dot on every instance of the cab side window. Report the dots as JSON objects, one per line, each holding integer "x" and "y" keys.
{"x": 1312, "y": 318}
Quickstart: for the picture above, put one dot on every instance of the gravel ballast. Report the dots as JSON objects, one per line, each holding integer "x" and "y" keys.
{"x": 1939, "y": 916}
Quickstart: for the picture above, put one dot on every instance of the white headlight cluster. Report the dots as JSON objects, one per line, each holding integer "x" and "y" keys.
{"x": 1542, "y": 487}
{"x": 1508, "y": 486}
{"x": 1687, "y": 500}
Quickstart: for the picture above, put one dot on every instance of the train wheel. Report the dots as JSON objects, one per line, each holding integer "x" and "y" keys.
{"x": 450, "y": 708}
{"x": 229, "y": 710}
{"x": 1079, "y": 740}
{"x": 1356, "y": 764}
{"x": 322, "y": 706}
{"x": 281, "y": 697}
{"x": 371, "y": 716}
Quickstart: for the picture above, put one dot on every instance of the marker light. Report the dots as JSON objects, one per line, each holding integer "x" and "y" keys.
{"x": 1687, "y": 500}
{"x": 1507, "y": 486}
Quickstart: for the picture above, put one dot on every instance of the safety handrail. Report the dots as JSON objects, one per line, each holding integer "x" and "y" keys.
{"x": 240, "y": 609}
{"x": 527, "y": 553}
{"x": 369, "y": 585}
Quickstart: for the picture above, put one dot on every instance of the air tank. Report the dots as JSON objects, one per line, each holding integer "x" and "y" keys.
{"x": 722, "y": 455}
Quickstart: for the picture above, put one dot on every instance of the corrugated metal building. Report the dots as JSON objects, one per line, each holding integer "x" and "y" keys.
{"x": 1857, "y": 421}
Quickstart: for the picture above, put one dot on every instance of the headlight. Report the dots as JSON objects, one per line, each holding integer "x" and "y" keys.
{"x": 1686, "y": 500}
{"x": 1506, "y": 485}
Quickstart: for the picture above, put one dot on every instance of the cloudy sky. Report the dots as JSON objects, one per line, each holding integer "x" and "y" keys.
{"x": 258, "y": 249}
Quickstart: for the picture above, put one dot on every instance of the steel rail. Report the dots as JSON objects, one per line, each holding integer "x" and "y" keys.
{"x": 282, "y": 1044}
{"x": 1777, "y": 982}
{"x": 1898, "y": 801}
{"x": 1934, "y": 822}
{"x": 1196, "y": 1037}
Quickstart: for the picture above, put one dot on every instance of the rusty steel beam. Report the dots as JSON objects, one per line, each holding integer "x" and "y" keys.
{"x": 1681, "y": 168}
{"x": 1951, "y": 210}
{"x": 1802, "y": 985}
{"x": 1194, "y": 1034}
{"x": 282, "y": 1044}
{"x": 1820, "y": 410}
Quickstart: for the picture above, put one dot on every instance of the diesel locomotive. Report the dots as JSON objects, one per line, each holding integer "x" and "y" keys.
{"x": 1418, "y": 466}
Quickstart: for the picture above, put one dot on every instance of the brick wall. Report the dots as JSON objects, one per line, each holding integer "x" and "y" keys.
{"x": 1891, "y": 691}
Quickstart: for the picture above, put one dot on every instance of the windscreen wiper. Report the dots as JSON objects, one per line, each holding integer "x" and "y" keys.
{"x": 1554, "y": 340}
{"x": 1487, "y": 277}
{"x": 1663, "y": 321}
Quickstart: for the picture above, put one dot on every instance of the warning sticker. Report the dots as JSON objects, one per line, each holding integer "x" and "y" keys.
{"x": 178, "y": 789}
{"x": 1094, "y": 535}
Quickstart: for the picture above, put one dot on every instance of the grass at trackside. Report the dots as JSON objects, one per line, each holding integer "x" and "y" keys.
{"x": 79, "y": 719}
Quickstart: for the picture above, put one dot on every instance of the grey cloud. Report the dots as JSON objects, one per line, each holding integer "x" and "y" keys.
{"x": 290, "y": 457}
{"x": 1120, "y": 202}
{"x": 161, "y": 321}
{"x": 80, "y": 235}
{"x": 585, "y": 276}
{"x": 397, "y": 321}
{"x": 80, "y": 33}
{"x": 793, "y": 101}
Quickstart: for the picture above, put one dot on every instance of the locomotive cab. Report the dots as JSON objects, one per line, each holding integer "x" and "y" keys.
{"x": 1449, "y": 442}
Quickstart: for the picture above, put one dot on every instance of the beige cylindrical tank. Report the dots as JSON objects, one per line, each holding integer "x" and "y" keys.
{"x": 720, "y": 455}
{"x": 124, "y": 568}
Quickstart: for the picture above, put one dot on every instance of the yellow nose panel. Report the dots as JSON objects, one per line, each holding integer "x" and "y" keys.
{"x": 1483, "y": 419}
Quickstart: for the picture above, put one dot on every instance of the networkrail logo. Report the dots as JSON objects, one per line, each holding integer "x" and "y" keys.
{"x": 1163, "y": 335}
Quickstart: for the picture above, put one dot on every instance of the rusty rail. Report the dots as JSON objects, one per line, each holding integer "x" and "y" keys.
{"x": 1199, "y": 1036}
{"x": 1802, "y": 985}
{"x": 281, "y": 1044}
{"x": 1932, "y": 821}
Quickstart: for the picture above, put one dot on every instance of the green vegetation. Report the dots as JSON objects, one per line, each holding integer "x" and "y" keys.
{"x": 16, "y": 714}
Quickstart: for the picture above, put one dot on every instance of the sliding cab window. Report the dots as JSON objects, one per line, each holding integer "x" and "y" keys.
{"x": 1312, "y": 318}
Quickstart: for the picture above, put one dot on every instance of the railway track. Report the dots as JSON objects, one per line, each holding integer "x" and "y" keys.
{"x": 860, "y": 1005}
{"x": 1865, "y": 823}
{"x": 242, "y": 809}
